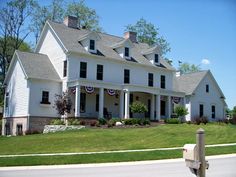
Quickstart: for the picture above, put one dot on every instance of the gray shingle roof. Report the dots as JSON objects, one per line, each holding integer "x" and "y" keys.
{"x": 37, "y": 66}
{"x": 70, "y": 37}
{"x": 188, "y": 82}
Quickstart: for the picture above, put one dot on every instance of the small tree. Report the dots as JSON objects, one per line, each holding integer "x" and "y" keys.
{"x": 63, "y": 104}
{"x": 138, "y": 107}
{"x": 180, "y": 112}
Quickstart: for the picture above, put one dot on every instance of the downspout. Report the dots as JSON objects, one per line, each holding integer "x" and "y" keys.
{"x": 28, "y": 111}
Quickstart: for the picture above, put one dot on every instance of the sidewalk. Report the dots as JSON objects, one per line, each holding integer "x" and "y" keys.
{"x": 108, "y": 152}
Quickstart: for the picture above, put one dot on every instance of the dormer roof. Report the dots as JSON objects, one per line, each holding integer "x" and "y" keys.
{"x": 123, "y": 43}
{"x": 154, "y": 49}
{"x": 89, "y": 35}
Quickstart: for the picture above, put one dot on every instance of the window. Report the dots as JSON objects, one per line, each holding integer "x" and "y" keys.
{"x": 126, "y": 52}
{"x": 92, "y": 45}
{"x": 201, "y": 110}
{"x": 163, "y": 81}
{"x": 150, "y": 79}
{"x": 213, "y": 112}
{"x": 45, "y": 97}
{"x": 65, "y": 69}
{"x": 156, "y": 58}
{"x": 83, "y": 69}
{"x": 207, "y": 88}
{"x": 97, "y": 102}
{"x": 126, "y": 76}
{"x": 100, "y": 72}
{"x": 7, "y": 100}
{"x": 82, "y": 102}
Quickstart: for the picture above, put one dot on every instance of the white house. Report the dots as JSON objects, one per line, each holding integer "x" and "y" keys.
{"x": 103, "y": 73}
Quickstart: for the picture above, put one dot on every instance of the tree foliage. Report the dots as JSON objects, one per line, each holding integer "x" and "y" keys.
{"x": 63, "y": 103}
{"x": 138, "y": 107}
{"x": 185, "y": 68}
{"x": 148, "y": 33}
{"x": 88, "y": 17}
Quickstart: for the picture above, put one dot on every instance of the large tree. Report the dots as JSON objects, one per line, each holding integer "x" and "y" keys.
{"x": 55, "y": 12}
{"x": 88, "y": 17}
{"x": 185, "y": 68}
{"x": 148, "y": 33}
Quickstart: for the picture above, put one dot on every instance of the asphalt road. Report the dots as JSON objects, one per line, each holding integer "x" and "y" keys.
{"x": 219, "y": 167}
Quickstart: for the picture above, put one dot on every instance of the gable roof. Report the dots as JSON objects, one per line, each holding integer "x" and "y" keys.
{"x": 34, "y": 65}
{"x": 70, "y": 37}
{"x": 188, "y": 82}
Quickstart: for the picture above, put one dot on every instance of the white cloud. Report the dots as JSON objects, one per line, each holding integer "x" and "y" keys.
{"x": 205, "y": 62}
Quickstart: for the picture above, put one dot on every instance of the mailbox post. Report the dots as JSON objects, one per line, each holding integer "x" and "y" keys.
{"x": 194, "y": 155}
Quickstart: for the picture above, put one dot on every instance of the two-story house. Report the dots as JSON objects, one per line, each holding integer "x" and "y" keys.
{"x": 101, "y": 72}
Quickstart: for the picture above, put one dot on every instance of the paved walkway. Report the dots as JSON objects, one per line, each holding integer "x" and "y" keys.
{"x": 108, "y": 152}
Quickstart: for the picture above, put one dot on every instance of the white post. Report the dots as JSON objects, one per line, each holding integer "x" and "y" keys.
{"x": 101, "y": 102}
{"x": 126, "y": 104}
{"x": 121, "y": 104}
{"x": 169, "y": 106}
{"x": 77, "y": 101}
{"x": 158, "y": 107}
{"x": 200, "y": 136}
{"x": 152, "y": 106}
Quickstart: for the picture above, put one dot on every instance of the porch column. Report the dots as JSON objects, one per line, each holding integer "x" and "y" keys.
{"x": 121, "y": 104}
{"x": 158, "y": 107}
{"x": 101, "y": 102}
{"x": 184, "y": 101}
{"x": 169, "y": 107}
{"x": 126, "y": 104}
{"x": 77, "y": 101}
{"x": 152, "y": 106}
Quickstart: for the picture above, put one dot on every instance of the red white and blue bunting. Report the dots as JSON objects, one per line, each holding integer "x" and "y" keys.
{"x": 111, "y": 92}
{"x": 89, "y": 89}
{"x": 176, "y": 100}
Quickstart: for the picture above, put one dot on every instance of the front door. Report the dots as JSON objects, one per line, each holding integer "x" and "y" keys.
{"x": 163, "y": 108}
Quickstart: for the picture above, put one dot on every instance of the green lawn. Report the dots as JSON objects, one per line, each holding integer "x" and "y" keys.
{"x": 116, "y": 139}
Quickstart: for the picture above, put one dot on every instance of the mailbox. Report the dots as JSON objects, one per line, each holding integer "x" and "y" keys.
{"x": 190, "y": 152}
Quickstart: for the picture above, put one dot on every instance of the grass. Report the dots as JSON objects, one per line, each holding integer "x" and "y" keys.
{"x": 101, "y": 158}
{"x": 87, "y": 140}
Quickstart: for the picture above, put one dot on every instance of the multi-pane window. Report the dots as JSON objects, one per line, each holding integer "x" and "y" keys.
{"x": 126, "y": 52}
{"x": 156, "y": 58}
{"x": 201, "y": 110}
{"x": 163, "y": 81}
{"x": 83, "y": 69}
{"x": 82, "y": 102}
{"x": 126, "y": 76}
{"x": 92, "y": 45}
{"x": 207, "y": 88}
{"x": 150, "y": 79}
{"x": 100, "y": 72}
{"x": 45, "y": 97}
{"x": 7, "y": 100}
{"x": 213, "y": 112}
{"x": 65, "y": 68}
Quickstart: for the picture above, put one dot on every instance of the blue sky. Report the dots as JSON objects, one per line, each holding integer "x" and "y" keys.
{"x": 196, "y": 30}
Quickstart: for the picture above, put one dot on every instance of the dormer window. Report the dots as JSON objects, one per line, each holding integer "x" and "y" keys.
{"x": 156, "y": 58}
{"x": 92, "y": 45}
{"x": 126, "y": 52}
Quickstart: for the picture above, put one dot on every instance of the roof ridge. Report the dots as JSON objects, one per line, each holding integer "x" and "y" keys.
{"x": 195, "y": 72}
{"x": 31, "y": 52}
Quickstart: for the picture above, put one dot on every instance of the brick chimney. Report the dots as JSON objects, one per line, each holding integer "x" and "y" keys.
{"x": 71, "y": 21}
{"x": 131, "y": 35}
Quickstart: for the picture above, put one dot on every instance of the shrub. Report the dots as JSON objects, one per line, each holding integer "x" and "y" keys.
{"x": 145, "y": 122}
{"x": 199, "y": 120}
{"x": 93, "y": 123}
{"x": 113, "y": 121}
{"x": 138, "y": 107}
{"x": 172, "y": 121}
{"x": 180, "y": 111}
{"x": 75, "y": 122}
{"x": 82, "y": 122}
{"x": 102, "y": 121}
{"x": 131, "y": 121}
{"x": 233, "y": 120}
{"x": 30, "y": 132}
{"x": 57, "y": 122}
